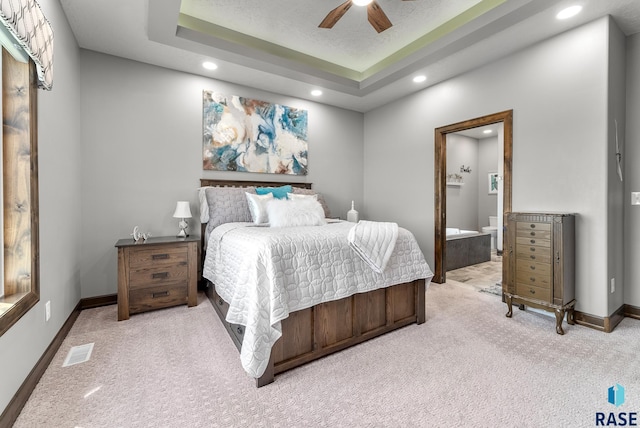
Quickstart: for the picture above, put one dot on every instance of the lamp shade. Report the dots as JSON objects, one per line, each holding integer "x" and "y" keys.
{"x": 183, "y": 210}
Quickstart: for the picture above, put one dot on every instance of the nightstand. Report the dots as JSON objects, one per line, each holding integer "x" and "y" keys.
{"x": 157, "y": 273}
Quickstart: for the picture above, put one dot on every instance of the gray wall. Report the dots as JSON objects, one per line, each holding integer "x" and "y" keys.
{"x": 141, "y": 151}
{"x": 558, "y": 91}
{"x": 462, "y": 201}
{"x": 60, "y": 213}
{"x": 631, "y": 154}
{"x": 487, "y": 162}
{"x": 616, "y": 201}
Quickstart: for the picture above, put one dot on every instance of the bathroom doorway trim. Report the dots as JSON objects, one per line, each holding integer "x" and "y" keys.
{"x": 506, "y": 118}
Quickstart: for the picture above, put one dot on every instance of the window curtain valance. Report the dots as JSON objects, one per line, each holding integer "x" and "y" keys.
{"x": 27, "y": 24}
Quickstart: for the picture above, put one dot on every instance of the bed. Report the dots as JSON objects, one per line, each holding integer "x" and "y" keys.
{"x": 268, "y": 304}
{"x": 467, "y": 247}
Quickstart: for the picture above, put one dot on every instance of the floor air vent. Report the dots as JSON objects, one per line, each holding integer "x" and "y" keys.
{"x": 78, "y": 354}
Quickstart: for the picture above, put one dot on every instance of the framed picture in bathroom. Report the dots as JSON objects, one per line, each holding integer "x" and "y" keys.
{"x": 493, "y": 183}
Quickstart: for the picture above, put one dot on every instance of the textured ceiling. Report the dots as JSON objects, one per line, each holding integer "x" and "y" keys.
{"x": 352, "y": 43}
{"x": 276, "y": 45}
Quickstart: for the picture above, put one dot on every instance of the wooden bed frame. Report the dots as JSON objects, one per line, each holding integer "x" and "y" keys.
{"x": 328, "y": 327}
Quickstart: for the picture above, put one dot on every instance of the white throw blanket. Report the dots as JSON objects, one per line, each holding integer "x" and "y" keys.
{"x": 374, "y": 242}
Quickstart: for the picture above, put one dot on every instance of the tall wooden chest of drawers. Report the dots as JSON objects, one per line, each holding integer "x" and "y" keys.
{"x": 158, "y": 273}
{"x": 540, "y": 265}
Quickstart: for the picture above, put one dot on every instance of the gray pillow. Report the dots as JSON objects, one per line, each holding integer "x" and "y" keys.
{"x": 227, "y": 205}
{"x": 303, "y": 191}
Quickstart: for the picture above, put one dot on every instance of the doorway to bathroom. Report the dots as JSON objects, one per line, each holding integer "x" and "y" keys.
{"x": 452, "y": 178}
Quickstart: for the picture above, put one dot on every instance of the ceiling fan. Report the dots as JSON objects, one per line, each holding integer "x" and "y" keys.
{"x": 376, "y": 16}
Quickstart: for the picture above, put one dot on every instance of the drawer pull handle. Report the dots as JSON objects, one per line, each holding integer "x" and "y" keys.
{"x": 532, "y": 267}
{"x": 159, "y": 256}
{"x": 532, "y": 291}
{"x": 532, "y": 256}
{"x": 532, "y": 279}
{"x": 532, "y": 249}
{"x": 220, "y": 302}
{"x": 533, "y": 234}
{"x": 160, "y": 294}
{"x": 239, "y": 330}
{"x": 533, "y": 226}
{"x": 160, "y": 275}
{"x": 533, "y": 241}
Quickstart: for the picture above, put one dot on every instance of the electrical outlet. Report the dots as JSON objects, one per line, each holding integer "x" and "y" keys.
{"x": 47, "y": 310}
{"x": 613, "y": 285}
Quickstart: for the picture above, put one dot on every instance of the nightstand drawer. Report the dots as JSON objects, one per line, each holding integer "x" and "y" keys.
{"x": 162, "y": 255}
{"x": 157, "y": 275}
{"x": 148, "y": 298}
{"x": 533, "y": 292}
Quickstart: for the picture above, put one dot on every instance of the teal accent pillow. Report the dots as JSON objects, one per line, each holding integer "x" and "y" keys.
{"x": 278, "y": 192}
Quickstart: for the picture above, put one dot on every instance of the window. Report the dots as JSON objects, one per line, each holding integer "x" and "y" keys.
{"x": 20, "y": 273}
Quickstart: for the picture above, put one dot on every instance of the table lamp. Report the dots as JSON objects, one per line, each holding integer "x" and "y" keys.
{"x": 183, "y": 212}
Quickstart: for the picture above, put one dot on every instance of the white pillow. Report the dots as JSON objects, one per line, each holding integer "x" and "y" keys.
{"x": 258, "y": 206}
{"x": 204, "y": 206}
{"x": 301, "y": 196}
{"x": 295, "y": 212}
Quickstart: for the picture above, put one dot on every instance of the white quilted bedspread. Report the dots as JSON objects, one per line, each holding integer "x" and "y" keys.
{"x": 265, "y": 273}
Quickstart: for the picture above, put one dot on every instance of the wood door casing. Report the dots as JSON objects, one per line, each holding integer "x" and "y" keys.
{"x": 440, "y": 190}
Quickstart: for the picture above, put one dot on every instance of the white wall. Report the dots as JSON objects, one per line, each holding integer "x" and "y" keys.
{"x": 142, "y": 151}
{"x": 60, "y": 212}
{"x": 558, "y": 91}
{"x": 631, "y": 155}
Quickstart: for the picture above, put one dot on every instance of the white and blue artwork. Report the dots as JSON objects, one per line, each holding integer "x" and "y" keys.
{"x": 241, "y": 134}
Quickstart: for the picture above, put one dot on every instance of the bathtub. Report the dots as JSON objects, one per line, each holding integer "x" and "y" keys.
{"x": 467, "y": 247}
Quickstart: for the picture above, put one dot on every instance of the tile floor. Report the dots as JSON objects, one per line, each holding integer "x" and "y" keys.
{"x": 485, "y": 276}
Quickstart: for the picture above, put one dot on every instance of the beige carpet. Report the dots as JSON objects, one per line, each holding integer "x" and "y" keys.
{"x": 467, "y": 366}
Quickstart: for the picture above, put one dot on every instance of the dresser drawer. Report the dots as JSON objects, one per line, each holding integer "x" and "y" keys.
{"x": 163, "y": 296}
{"x": 529, "y": 226}
{"x": 158, "y": 256}
{"x": 529, "y": 267}
{"x": 534, "y": 234}
{"x": 533, "y": 253}
{"x": 535, "y": 279}
{"x": 533, "y": 292}
{"x": 535, "y": 242}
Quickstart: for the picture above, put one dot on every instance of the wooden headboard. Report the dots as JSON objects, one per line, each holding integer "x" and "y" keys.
{"x": 241, "y": 183}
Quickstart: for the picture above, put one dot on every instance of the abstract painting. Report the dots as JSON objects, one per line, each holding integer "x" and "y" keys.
{"x": 241, "y": 134}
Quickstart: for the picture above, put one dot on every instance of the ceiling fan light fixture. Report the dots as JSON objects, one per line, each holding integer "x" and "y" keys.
{"x": 569, "y": 12}
{"x": 361, "y": 2}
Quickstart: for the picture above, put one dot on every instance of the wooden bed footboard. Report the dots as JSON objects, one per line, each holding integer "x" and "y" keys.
{"x": 313, "y": 333}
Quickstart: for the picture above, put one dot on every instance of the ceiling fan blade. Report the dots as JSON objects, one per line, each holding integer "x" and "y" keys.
{"x": 334, "y": 16}
{"x": 377, "y": 18}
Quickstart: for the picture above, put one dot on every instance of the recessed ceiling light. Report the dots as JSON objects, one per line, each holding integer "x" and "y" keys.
{"x": 209, "y": 65}
{"x": 316, "y": 92}
{"x": 569, "y": 12}
{"x": 361, "y": 2}
{"x": 420, "y": 78}
{"x": 487, "y": 131}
